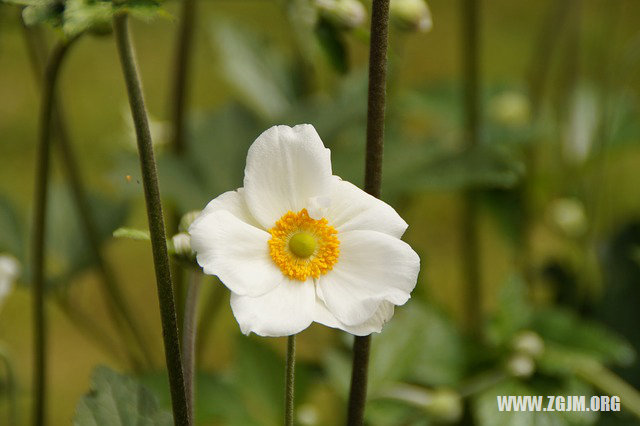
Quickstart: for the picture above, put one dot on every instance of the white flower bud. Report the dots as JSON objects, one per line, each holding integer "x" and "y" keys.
{"x": 529, "y": 343}
{"x": 443, "y": 403}
{"x": 521, "y": 366}
{"x": 187, "y": 219}
{"x": 307, "y": 415}
{"x": 9, "y": 272}
{"x": 182, "y": 245}
{"x": 568, "y": 215}
{"x": 511, "y": 109}
{"x": 411, "y": 15}
{"x": 344, "y": 13}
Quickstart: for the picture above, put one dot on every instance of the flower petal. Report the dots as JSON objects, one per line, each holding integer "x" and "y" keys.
{"x": 233, "y": 202}
{"x": 287, "y": 309}
{"x": 285, "y": 168}
{"x": 372, "y": 267}
{"x": 372, "y": 325}
{"x": 353, "y": 209}
{"x": 235, "y": 252}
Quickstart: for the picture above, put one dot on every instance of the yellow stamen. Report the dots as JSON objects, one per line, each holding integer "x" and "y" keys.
{"x": 303, "y": 247}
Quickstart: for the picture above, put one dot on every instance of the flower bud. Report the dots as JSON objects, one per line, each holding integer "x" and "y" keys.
{"x": 569, "y": 217}
{"x": 182, "y": 246}
{"x": 510, "y": 108}
{"x": 529, "y": 343}
{"x": 446, "y": 405}
{"x": 521, "y": 366}
{"x": 9, "y": 272}
{"x": 187, "y": 219}
{"x": 307, "y": 415}
{"x": 345, "y": 14}
{"x": 411, "y": 15}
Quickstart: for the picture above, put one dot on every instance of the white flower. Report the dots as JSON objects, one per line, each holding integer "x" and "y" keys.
{"x": 411, "y": 15}
{"x": 9, "y": 272}
{"x": 297, "y": 245}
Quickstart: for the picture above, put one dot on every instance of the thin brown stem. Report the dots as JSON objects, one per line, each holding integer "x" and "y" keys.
{"x": 116, "y": 303}
{"x": 156, "y": 221}
{"x": 373, "y": 182}
{"x": 189, "y": 333}
{"x": 50, "y": 79}
{"x": 290, "y": 372}
{"x": 470, "y": 204}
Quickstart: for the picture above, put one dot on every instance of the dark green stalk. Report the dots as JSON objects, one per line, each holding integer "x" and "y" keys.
{"x": 469, "y": 216}
{"x": 50, "y": 79}
{"x": 156, "y": 221}
{"x": 189, "y": 333}
{"x": 184, "y": 47}
{"x": 553, "y": 24}
{"x": 89, "y": 327}
{"x": 290, "y": 372}
{"x": 373, "y": 182}
{"x": 178, "y": 102}
{"x": 212, "y": 305}
{"x": 10, "y": 381}
{"x": 116, "y": 304}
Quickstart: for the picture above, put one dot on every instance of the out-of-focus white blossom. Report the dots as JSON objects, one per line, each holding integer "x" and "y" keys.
{"x": 529, "y": 343}
{"x": 9, "y": 273}
{"x": 344, "y": 13}
{"x": 521, "y": 366}
{"x": 411, "y": 15}
{"x": 510, "y": 108}
{"x": 569, "y": 216}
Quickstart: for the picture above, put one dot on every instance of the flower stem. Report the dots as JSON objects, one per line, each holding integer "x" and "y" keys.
{"x": 156, "y": 221}
{"x": 50, "y": 78}
{"x": 10, "y": 387}
{"x": 182, "y": 59}
{"x": 290, "y": 380}
{"x": 212, "y": 304}
{"x": 177, "y": 104}
{"x": 117, "y": 308}
{"x": 469, "y": 216}
{"x": 189, "y": 332}
{"x": 373, "y": 182}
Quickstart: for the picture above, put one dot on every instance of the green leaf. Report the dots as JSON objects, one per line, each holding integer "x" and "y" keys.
{"x": 132, "y": 233}
{"x": 118, "y": 400}
{"x": 12, "y": 233}
{"x": 484, "y": 166}
{"x": 68, "y": 252}
{"x": 257, "y": 72}
{"x": 82, "y": 15}
{"x": 514, "y": 311}
{"x": 44, "y": 11}
{"x": 582, "y": 337}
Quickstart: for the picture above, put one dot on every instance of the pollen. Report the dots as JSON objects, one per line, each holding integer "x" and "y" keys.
{"x": 303, "y": 247}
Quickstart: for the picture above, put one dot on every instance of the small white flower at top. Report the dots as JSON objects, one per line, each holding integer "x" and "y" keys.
{"x": 297, "y": 244}
{"x": 9, "y": 272}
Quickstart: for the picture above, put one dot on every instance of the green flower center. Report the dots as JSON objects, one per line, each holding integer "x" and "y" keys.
{"x": 303, "y": 244}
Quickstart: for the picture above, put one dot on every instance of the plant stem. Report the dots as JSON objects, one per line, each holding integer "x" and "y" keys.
{"x": 116, "y": 305}
{"x": 290, "y": 372}
{"x": 12, "y": 411}
{"x": 552, "y": 27}
{"x": 88, "y": 327}
{"x": 182, "y": 60}
{"x": 372, "y": 183}
{"x": 189, "y": 333}
{"x": 156, "y": 221}
{"x": 178, "y": 102}
{"x": 469, "y": 216}
{"x": 50, "y": 79}
{"x": 212, "y": 305}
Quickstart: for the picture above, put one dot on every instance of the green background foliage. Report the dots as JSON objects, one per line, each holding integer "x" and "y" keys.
{"x": 256, "y": 64}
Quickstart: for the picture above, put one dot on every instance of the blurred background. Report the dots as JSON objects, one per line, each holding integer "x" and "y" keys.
{"x": 544, "y": 301}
